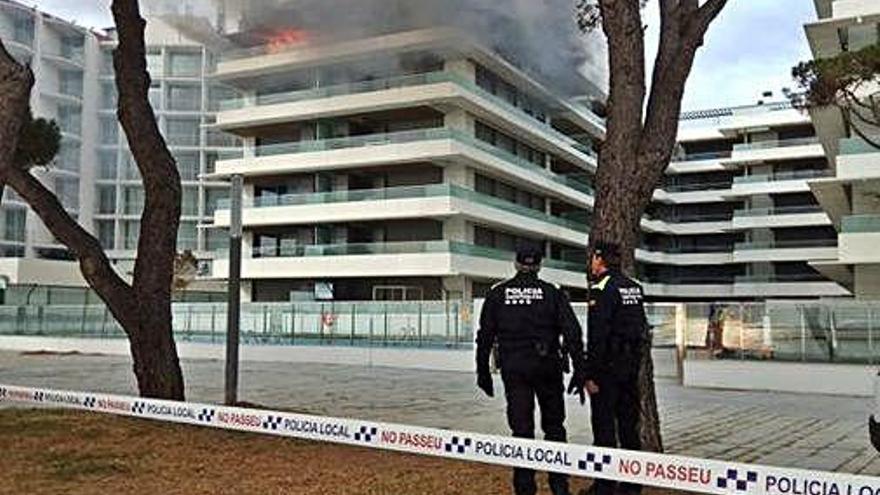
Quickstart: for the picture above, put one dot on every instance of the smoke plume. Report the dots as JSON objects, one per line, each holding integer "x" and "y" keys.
{"x": 540, "y": 36}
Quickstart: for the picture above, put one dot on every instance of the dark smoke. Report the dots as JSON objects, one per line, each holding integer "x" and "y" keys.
{"x": 540, "y": 36}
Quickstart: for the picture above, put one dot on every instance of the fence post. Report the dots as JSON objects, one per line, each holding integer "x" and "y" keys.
{"x": 353, "y": 318}
{"x": 385, "y": 331}
{"x": 680, "y": 340}
{"x": 420, "y": 324}
{"x": 870, "y": 335}
{"x": 213, "y": 321}
{"x": 803, "y": 333}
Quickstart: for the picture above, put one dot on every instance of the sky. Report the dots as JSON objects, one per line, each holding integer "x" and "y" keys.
{"x": 750, "y": 48}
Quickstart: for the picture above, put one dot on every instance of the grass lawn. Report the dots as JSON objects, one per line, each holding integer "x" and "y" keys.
{"x": 46, "y": 451}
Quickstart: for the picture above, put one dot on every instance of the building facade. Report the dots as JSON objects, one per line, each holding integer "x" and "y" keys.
{"x": 408, "y": 165}
{"x": 735, "y": 217}
{"x": 851, "y": 196}
{"x": 402, "y": 166}
{"x": 94, "y": 175}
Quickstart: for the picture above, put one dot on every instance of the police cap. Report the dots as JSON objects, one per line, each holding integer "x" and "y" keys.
{"x": 529, "y": 253}
{"x": 608, "y": 251}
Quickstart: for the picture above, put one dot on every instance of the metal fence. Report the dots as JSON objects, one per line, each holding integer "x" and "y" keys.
{"x": 415, "y": 324}
{"x": 833, "y": 331}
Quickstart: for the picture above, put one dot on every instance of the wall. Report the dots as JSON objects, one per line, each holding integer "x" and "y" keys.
{"x": 813, "y": 378}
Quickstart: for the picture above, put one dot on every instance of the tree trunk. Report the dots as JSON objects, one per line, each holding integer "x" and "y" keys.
{"x": 143, "y": 309}
{"x": 619, "y": 208}
{"x": 156, "y": 364}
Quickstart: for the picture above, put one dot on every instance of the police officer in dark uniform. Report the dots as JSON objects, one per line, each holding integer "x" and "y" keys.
{"x": 526, "y": 317}
{"x": 616, "y": 329}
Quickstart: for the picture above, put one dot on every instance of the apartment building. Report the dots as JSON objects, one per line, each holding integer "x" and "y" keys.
{"x": 94, "y": 175}
{"x": 407, "y": 165}
{"x": 734, "y": 217}
{"x": 401, "y": 166}
{"x": 851, "y": 196}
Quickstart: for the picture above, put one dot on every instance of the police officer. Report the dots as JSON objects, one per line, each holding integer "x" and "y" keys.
{"x": 616, "y": 329}
{"x": 526, "y": 316}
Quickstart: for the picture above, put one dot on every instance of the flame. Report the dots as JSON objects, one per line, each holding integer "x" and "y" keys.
{"x": 282, "y": 40}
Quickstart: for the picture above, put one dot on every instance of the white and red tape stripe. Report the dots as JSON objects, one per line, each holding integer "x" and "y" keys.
{"x": 661, "y": 470}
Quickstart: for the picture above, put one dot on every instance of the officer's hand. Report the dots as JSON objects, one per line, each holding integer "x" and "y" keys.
{"x": 592, "y": 387}
{"x": 575, "y": 386}
{"x": 484, "y": 381}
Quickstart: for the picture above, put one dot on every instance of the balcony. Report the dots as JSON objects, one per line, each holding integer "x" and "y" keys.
{"x": 787, "y": 216}
{"x": 430, "y": 201}
{"x": 860, "y": 224}
{"x": 787, "y": 285}
{"x": 386, "y": 93}
{"x": 401, "y": 147}
{"x": 783, "y": 176}
{"x": 785, "y": 149}
{"x": 787, "y": 250}
{"x": 859, "y": 239}
{"x": 399, "y": 259}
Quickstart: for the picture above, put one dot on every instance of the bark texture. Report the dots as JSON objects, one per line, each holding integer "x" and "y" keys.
{"x": 142, "y": 308}
{"x": 16, "y": 82}
{"x": 640, "y": 137}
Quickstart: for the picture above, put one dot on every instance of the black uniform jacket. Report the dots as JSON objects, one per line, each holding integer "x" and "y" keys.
{"x": 616, "y": 326}
{"x": 527, "y": 316}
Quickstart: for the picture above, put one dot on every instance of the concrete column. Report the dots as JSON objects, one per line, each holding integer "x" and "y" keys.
{"x": 461, "y": 67}
{"x": 247, "y": 291}
{"x": 458, "y": 229}
{"x": 459, "y": 175}
{"x": 459, "y": 120}
{"x": 248, "y": 194}
{"x": 249, "y": 145}
{"x": 458, "y": 288}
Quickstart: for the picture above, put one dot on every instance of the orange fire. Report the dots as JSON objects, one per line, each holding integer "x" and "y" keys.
{"x": 283, "y": 40}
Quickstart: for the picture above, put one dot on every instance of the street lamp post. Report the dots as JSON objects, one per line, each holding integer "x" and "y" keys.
{"x": 233, "y": 310}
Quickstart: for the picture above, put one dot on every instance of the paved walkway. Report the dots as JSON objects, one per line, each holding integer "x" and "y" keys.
{"x": 805, "y": 431}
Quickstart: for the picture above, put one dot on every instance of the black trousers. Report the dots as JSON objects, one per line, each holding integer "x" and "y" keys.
{"x": 541, "y": 380}
{"x": 614, "y": 414}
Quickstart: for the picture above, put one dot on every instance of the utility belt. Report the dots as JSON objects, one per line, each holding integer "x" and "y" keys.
{"x": 540, "y": 349}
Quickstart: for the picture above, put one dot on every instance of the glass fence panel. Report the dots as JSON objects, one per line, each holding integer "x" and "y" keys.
{"x": 838, "y": 332}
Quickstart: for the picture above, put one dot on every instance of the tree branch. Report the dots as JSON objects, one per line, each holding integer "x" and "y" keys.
{"x": 16, "y": 81}
{"x": 160, "y": 220}
{"x": 95, "y": 266}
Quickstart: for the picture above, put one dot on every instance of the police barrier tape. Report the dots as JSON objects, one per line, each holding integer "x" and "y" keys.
{"x": 660, "y": 470}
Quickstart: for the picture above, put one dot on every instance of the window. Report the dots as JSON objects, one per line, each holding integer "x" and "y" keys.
{"x": 68, "y": 157}
{"x": 189, "y": 202}
{"x": 213, "y": 197}
{"x": 133, "y": 203}
{"x": 155, "y": 96}
{"x": 130, "y": 231}
{"x": 14, "y": 224}
{"x": 216, "y": 239}
{"x": 107, "y": 164}
{"x": 109, "y": 131}
{"x": 107, "y": 62}
{"x": 188, "y": 165}
{"x": 70, "y": 82}
{"x": 24, "y": 29}
{"x": 106, "y": 200}
{"x": 106, "y": 233}
{"x": 184, "y": 64}
{"x": 108, "y": 96}
{"x": 73, "y": 48}
{"x": 182, "y": 132}
{"x": 183, "y": 98}
{"x": 67, "y": 190}
{"x": 187, "y": 236}
{"x": 154, "y": 62}
{"x": 70, "y": 119}
{"x": 129, "y": 168}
